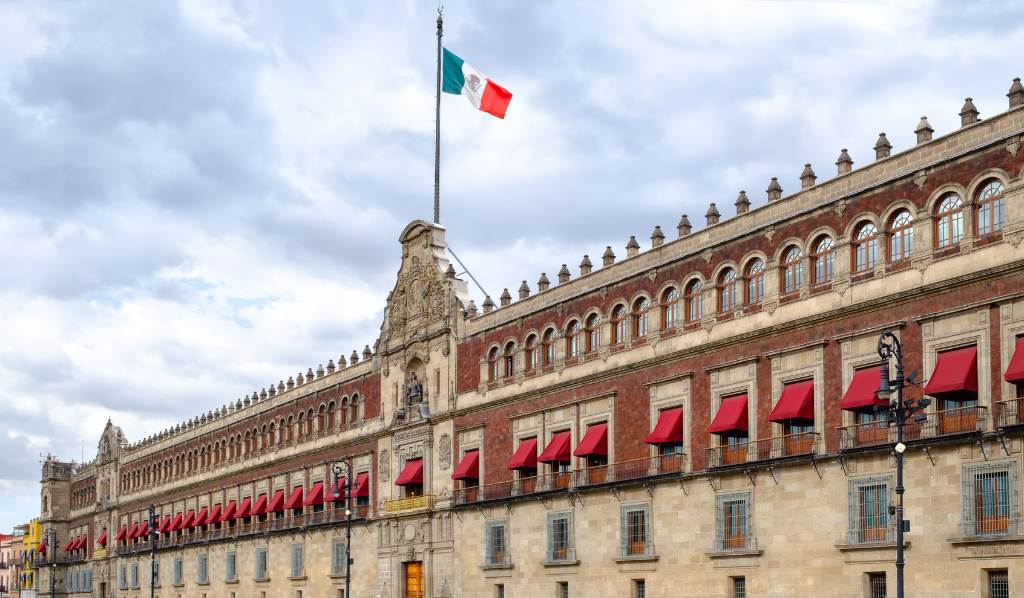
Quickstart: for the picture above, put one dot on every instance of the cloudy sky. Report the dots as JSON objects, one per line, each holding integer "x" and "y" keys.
{"x": 200, "y": 198}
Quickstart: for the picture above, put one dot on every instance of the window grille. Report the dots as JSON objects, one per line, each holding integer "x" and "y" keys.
{"x": 990, "y": 499}
{"x": 998, "y": 584}
{"x": 563, "y": 589}
{"x": 496, "y": 543}
{"x": 261, "y": 563}
{"x": 732, "y": 522}
{"x": 338, "y": 560}
{"x": 155, "y": 573}
{"x": 297, "y": 560}
{"x": 499, "y": 590}
{"x": 177, "y": 572}
{"x": 739, "y": 587}
{"x": 869, "y": 501}
{"x": 876, "y": 585}
{"x": 639, "y": 588}
{"x": 135, "y": 575}
{"x": 230, "y": 567}
{"x": 633, "y": 530}
{"x": 559, "y": 537}
{"x": 202, "y": 575}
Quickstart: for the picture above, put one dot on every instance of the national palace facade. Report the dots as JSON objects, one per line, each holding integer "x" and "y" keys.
{"x": 697, "y": 417}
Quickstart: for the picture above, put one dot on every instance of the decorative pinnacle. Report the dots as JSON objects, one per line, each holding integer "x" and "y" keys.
{"x": 882, "y": 147}
{"x": 563, "y": 274}
{"x": 488, "y": 304}
{"x": 684, "y": 226}
{"x": 1016, "y": 93}
{"x": 543, "y": 283}
{"x": 505, "y": 298}
{"x": 608, "y": 258}
{"x": 712, "y": 214}
{"x": 807, "y": 177}
{"x": 585, "y": 266}
{"x": 774, "y": 189}
{"x": 524, "y": 290}
{"x": 924, "y": 130}
{"x": 969, "y": 113}
{"x": 657, "y": 237}
{"x": 632, "y": 247}
{"x": 844, "y": 163}
{"x": 742, "y": 203}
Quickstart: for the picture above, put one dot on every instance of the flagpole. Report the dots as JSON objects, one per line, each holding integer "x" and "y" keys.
{"x": 437, "y": 125}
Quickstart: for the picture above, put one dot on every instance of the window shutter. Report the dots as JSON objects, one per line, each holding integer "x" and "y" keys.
{"x": 551, "y": 539}
{"x": 624, "y": 531}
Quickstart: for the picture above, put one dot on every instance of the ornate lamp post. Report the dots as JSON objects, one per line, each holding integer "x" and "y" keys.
{"x": 51, "y": 542}
{"x": 339, "y": 468}
{"x": 154, "y": 536}
{"x": 899, "y": 411}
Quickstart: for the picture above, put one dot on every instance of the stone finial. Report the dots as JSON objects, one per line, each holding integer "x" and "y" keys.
{"x": 632, "y": 247}
{"x": 505, "y": 298}
{"x": 309, "y": 375}
{"x": 712, "y": 214}
{"x": 524, "y": 290}
{"x": 807, "y": 177}
{"x": 320, "y": 371}
{"x": 586, "y": 266}
{"x": 969, "y": 113}
{"x": 924, "y": 131}
{"x": 255, "y": 397}
{"x": 1016, "y": 93}
{"x": 300, "y": 379}
{"x": 290, "y": 384}
{"x": 354, "y": 357}
{"x": 844, "y": 164}
{"x": 684, "y": 226}
{"x": 882, "y": 147}
{"x": 281, "y": 386}
{"x": 367, "y": 353}
{"x": 774, "y": 189}
{"x": 330, "y": 366}
{"x": 543, "y": 283}
{"x": 608, "y": 257}
{"x": 742, "y": 203}
{"x": 657, "y": 237}
{"x": 238, "y": 404}
{"x": 341, "y": 361}
{"x": 488, "y": 304}
{"x": 271, "y": 391}
{"x": 263, "y": 394}
{"x": 246, "y": 402}
{"x": 450, "y": 271}
{"x": 563, "y": 274}
{"x": 471, "y": 309}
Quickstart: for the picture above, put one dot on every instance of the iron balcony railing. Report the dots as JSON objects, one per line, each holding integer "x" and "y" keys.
{"x": 754, "y": 451}
{"x": 498, "y": 558}
{"x": 621, "y": 472}
{"x": 636, "y": 549}
{"x": 561, "y": 554}
{"x": 1009, "y": 413}
{"x": 735, "y": 543}
{"x": 986, "y": 524}
{"x": 936, "y": 424}
{"x": 885, "y": 534}
{"x": 425, "y": 501}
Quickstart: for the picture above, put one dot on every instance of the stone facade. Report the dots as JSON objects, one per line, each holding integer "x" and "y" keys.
{"x": 793, "y": 293}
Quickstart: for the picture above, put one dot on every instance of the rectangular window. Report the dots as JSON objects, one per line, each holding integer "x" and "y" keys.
{"x": 230, "y": 567}
{"x": 869, "y": 510}
{"x": 733, "y": 522}
{"x": 499, "y": 590}
{"x": 338, "y": 560}
{"x": 178, "y": 574}
{"x": 202, "y": 574}
{"x": 297, "y": 560}
{"x": 633, "y": 530}
{"x": 563, "y": 589}
{"x": 739, "y": 587}
{"x": 135, "y": 575}
{"x": 261, "y": 563}
{"x": 496, "y": 543}
{"x": 998, "y": 584}
{"x": 155, "y": 573}
{"x": 987, "y": 492}
{"x": 876, "y": 585}
{"x": 560, "y": 537}
{"x": 121, "y": 583}
{"x": 639, "y": 588}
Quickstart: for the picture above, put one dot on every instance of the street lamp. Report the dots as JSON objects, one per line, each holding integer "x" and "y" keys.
{"x": 51, "y": 542}
{"x": 154, "y": 536}
{"x": 338, "y": 469}
{"x": 898, "y": 413}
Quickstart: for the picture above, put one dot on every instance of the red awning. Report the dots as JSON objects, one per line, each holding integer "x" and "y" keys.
{"x": 165, "y": 525}
{"x": 362, "y": 486}
{"x": 277, "y": 503}
{"x": 1015, "y": 371}
{"x": 190, "y": 520}
{"x": 468, "y": 467}
{"x": 229, "y": 513}
{"x": 102, "y": 540}
{"x": 121, "y": 533}
{"x": 955, "y": 372}
{"x": 76, "y": 543}
{"x": 245, "y": 508}
{"x": 70, "y": 545}
{"x": 595, "y": 442}
{"x": 133, "y": 531}
{"x": 315, "y": 496}
{"x": 260, "y": 506}
{"x": 525, "y": 456}
{"x": 201, "y": 518}
{"x": 214, "y": 516}
{"x": 143, "y": 530}
{"x": 42, "y": 547}
{"x": 862, "y": 390}
{"x": 558, "y": 449}
{"x": 731, "y": 416}
{"x": 669, "y": 429}
{"x": 412, "y": 473}
{"x": 176, "y": 524}
{"x": 796, "y": 402}
{"x": 294, "y": 499}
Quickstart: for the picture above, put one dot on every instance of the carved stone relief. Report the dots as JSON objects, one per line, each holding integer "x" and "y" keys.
{"x": 384, "y": 469}
{"x": 444, "y": 452}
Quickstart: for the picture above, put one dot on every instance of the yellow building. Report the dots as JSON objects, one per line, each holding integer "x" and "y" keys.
{"x": 28, "y": 559}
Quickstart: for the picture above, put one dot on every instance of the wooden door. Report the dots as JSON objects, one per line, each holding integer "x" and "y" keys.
{"x": 414, "y": 580}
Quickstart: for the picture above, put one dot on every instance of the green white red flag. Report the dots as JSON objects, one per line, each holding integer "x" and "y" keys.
{"x": 461, "y": 79}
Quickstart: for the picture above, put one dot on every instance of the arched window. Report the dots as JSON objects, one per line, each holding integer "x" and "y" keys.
{"x": 593, "y": 333}
{"x": 548, "y": 347}
{"x": 755, "y": 282}
{"x": 669, "y": 308}
{"x": 619, "y": 324}
{"x": 302, "y": 425}
{"x": 532, "y": 353}
{"x": 353, "y": 407}
{"x": 572, "y": 339}
{"x": 949, "y": 221}
{"x": 865, "y": 248}
{"x": 330, "y": 416}
{"x": 510, "y": 359}
{"x": 321, "y": 419}
{"x": 492, "y": 364}
{"x": 694, "y": 298}
{"x": 991, "y": 208}
{"x": 901, "y": 236}
{"x": 343, "y": 412}
{"x": 727, "y": 291}
{"x": 792, "y": 270}
{"x": 640, "y": 307}
{"x": 823, "y": 257}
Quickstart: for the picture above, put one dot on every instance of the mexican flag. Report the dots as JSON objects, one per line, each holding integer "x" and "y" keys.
{"x": 461, "y": 79}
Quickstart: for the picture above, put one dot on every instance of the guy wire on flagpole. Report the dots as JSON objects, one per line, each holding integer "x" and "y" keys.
{"x": 437, "y": 123}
